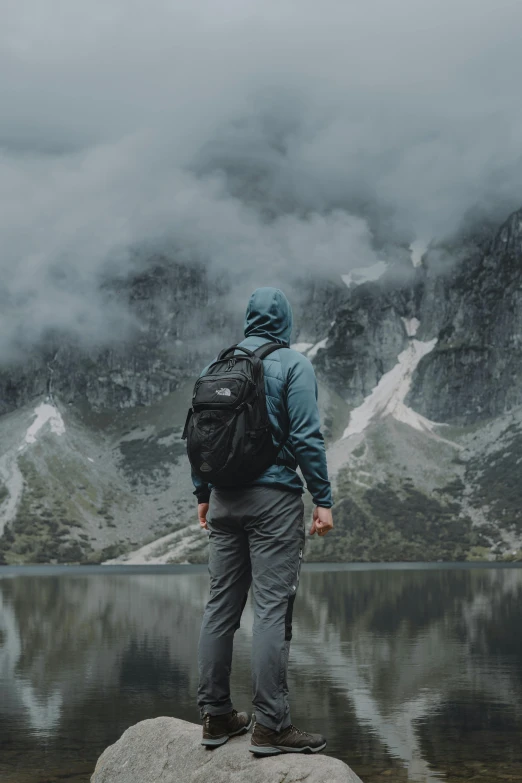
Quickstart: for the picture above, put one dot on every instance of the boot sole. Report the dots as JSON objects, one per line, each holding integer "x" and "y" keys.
{"x": 216, "y": 743}
{"x": 274, "y": 750}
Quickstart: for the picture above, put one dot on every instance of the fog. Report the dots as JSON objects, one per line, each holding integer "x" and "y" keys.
{"x": 257, "y": 136}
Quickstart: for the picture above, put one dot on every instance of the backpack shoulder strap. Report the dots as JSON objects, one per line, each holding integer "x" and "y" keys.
{"x": 266, "y": 350}
{"x": 233, "y": 348}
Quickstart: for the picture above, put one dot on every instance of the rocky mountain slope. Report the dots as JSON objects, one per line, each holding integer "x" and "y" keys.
{"x": 428, "y": 466}
{"x": 419, "y": 366}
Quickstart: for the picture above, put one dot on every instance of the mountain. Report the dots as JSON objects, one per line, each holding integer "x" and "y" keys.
{"x": 428, "y": 466}
{"x": 420, "y": 366}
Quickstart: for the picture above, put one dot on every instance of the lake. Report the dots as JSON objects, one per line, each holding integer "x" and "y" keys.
{"x": 414, "y": 673}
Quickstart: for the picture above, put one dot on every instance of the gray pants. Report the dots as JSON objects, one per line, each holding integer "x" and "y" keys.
{"x": 256, "y": 536}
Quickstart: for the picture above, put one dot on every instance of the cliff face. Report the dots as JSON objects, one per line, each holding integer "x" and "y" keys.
{"x": 475, "y": 371}
{"x": 182, "y": 317}
{"x": 171, "y": 306}
{"x": 471, "y": 305}
{"x": 368, "y": 334}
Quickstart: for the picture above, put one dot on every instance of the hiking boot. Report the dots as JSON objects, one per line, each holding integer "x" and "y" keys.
{"x": 217, "y": 729}
{"x": 266, "y": 742}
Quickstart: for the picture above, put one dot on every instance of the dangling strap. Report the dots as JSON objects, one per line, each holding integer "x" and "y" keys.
{"x": 187, "y": 420}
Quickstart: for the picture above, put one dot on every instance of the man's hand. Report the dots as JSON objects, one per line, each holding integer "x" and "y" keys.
{"x": 202, "y": 515}
{"x": 322, "y": 521}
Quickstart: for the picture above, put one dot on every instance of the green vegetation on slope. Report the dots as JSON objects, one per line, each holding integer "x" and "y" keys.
{"x": 148, "y": 458}
{"x": 48, "y": 525}
{"x": 386, "y": 524}
{"x": 496, "y": 478}
{"x": 40, "y": 531}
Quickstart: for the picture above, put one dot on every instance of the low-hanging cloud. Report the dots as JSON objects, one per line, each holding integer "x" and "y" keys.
{"x": 258, "y": 136}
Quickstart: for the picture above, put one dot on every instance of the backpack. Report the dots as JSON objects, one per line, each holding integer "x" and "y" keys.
{"x": 228, "y": 433}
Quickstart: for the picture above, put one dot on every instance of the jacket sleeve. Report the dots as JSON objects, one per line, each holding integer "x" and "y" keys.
{"x": 201, "y": 488}
{"x": 305, "y": 436}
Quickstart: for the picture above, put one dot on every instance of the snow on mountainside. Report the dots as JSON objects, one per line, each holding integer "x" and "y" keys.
{"x": 301, "y": 347}
{"x": 387, "y": 399}
{"x": 82, "y": 486}
{"x": 420, "y": 378}
{"x": 417, "y": 250}
{"x": 44, "y": 414}
{"x": 10, "y": 474}
{"x": 365, "y": 274}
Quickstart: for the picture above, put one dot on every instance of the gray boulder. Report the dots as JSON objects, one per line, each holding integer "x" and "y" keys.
{"x": 167, "y": 750}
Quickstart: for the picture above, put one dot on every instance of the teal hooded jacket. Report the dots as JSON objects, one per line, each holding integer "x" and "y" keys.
{"x": 291, "y": 396}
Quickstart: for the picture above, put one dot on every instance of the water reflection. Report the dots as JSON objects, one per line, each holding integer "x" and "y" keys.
{"x": 419, "y": 672}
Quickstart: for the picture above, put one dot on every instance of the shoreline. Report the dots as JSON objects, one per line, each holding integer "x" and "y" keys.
{"x": 183, "y": 568}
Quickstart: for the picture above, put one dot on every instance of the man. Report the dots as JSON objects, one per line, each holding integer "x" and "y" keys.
{"x": 257, "y": 536}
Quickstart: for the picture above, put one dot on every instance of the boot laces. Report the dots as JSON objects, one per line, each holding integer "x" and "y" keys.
{"x": 297, "y": 731}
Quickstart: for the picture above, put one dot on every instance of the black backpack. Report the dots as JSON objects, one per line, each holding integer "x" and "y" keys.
{"x": 228, "y": 433}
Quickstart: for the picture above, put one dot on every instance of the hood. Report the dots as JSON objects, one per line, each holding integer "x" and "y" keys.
{"x": 269, "y": 315}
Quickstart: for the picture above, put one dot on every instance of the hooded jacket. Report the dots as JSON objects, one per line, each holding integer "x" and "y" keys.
{"x": 291, "y": 397}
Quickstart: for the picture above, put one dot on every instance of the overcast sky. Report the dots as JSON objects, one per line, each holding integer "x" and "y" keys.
{"x": 255, "y": 134}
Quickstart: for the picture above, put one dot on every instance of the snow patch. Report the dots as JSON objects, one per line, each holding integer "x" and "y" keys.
{"x": 45, "y": 414}
{"x": 321, "y": 344}
{"x": 387, "y": 399}
{"x": 411, "y": 325}
{"x": 302, "y": 347}
{"x": 365, "y": 274}
{"x": 164, "y": 549}
{"x": 417, "y": 250}
{"x": 90, "y": 460}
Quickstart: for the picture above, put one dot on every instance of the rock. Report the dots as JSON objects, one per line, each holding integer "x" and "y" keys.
{"x": 168, "y": 750}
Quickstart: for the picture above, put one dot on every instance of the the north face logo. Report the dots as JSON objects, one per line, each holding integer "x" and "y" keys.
{"x": 205, "y": 467}
{"x": 224, "y": 392}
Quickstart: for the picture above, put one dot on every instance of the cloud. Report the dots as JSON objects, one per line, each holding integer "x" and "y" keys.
{"x": 260, "y": 136}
